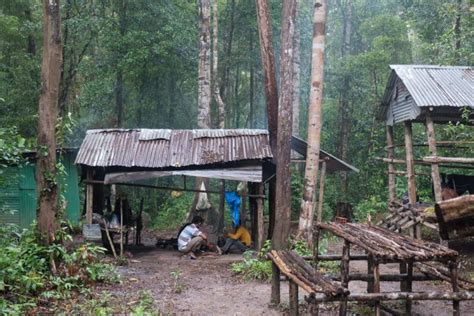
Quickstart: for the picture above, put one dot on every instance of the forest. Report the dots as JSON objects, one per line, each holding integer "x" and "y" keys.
{"x": 138, "y": 64}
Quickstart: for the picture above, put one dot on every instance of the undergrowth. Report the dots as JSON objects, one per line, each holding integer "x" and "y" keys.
{"x": 34, "y": 276}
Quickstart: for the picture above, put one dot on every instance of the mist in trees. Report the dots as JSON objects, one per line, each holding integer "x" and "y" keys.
{"x": 135, "y": 64}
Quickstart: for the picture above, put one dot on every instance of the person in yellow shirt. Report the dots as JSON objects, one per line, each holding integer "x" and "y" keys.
{"x": 240, "y": 239}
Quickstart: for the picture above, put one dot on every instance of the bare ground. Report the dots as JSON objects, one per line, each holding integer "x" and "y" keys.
{"x": 207, "y": 287}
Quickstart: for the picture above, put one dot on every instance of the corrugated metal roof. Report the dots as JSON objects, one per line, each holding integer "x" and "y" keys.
{"x": 438, "y": 85}
{"x": 171, "y": 148}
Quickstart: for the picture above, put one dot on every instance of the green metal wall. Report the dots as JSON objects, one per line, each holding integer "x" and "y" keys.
{"x": 18, "y": 193}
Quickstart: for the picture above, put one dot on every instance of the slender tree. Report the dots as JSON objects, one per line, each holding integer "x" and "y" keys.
{"x": 204, "y": 72}
{"x": 314, "y": 121}
{"x": 215, "y": 63}
{"x": 344, "y": 105}
{"x": 47, "y": 115}
{"x": 296, "y": 80}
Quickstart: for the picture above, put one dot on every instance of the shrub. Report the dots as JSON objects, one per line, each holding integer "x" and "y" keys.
{"x": 255, "y": 266}
{"x": 32, "y": 273}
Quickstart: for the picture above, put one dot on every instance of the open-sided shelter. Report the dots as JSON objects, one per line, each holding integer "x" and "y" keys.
{"x": 425, "y": 94}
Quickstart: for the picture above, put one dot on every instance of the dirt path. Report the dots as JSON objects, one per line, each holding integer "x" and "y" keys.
{"x": 194, "y": 287}
{"x": 207, "y": 287}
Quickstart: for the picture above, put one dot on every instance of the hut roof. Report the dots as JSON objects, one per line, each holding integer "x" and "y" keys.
{"x": 165, "y": 148}
{"x": 443, "y": 88}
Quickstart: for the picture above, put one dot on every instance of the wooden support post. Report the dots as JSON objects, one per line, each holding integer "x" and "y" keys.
{"x": 411, "y": 170}
{"x": 221, "y": 204}
{"x": 243, "y": 206}
{"x": 275, "y": 298}
{"x": 409, "y": 287}
{"x": 391, "y": 166}
{"x": 370, "y": 271}
{"x": 293, "y": 298}
{"x": 432, "y": 147}
{"x": 321, "y": 191}
{"x": 253, "y": 213}
{"x": 377, "y": 286}
{"x": 453, "y": 269}
{"x": 259, "y": 217}
{"x": 344, "y": 274}
{"x": 121, "y": 227}
{"x": 89, "y": 196}
{"x": 403, "y": 270}
{"x": 271, "y": 206}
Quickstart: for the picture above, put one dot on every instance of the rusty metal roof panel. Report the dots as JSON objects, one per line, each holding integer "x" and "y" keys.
{"x": 171, "y": 148}
{"x": 451, "y": 86}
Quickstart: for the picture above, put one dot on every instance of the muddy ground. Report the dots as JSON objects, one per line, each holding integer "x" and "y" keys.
{"x": 206, "y": 286}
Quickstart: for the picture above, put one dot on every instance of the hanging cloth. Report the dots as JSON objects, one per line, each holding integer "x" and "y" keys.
{"x": 203, "y": 202}
{"x": 233, "y": 199}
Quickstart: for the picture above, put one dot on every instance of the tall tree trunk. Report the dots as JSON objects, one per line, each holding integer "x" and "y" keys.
{"x": 268, "y": 61}
{"x": 47, "y": 115}
{"x": 344, "y": 100}
{"x": 314, "y": 121}
{"x": 215, "y": 63}
{"x": 296, "y": 69}
{"x": 204, "y": 81}
{"x": 225, "y": 84}
{"x": 119, "y": 76}
{"x": 283, "y": 172}
{"x": 457, "y": 32}
{"x": 271, "y": 93}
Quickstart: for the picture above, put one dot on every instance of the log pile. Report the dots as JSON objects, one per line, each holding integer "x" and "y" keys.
{"x": 386, "y": 245}
{"x": 456, "y": 217}
{"x": 305, "y": 276}
{"x": 442, "y": 273}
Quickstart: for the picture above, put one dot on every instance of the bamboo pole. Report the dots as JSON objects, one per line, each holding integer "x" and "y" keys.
{"x": 112, "y": 247}
{"x": 391, "y": 166}
{"x": 432, "y": 147}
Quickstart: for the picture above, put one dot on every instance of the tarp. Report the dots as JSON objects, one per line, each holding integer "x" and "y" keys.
{"x": 233, "y": 199}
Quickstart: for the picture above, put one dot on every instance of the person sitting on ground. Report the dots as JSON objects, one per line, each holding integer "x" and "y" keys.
{"x": 240, "y": 239}
{"x": 191, "y": 238}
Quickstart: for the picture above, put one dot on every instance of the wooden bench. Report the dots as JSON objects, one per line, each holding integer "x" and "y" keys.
{"x": 301, "y": 273}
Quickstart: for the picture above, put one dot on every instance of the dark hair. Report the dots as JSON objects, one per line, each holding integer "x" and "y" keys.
{"x": 197, "y": 219}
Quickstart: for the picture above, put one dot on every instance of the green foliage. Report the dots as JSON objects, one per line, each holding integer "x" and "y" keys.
{"x": 31, "y": 272}
{"x": 254, "y": 266}
{"x": 172, "y": 212}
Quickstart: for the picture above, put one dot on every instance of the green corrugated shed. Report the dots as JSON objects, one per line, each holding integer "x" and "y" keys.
{"x": 18, "y": 193}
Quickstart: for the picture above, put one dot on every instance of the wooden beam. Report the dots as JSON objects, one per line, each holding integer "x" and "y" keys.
{"x": 392, "y": 195}
{"x": 167, "y": 188}
{"x": 393, "y": 296}
{"x": 89, "y": 196}
{"x": 436, "y": 160}
{"x": 422, "y": 163}
{"x": 336, "y": 257}
{"x": 376, "y": 285}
